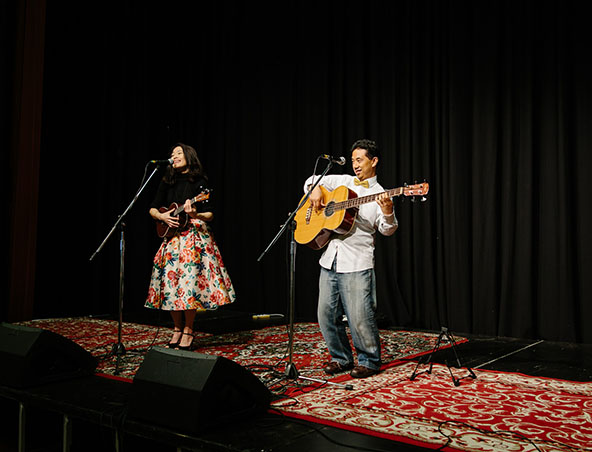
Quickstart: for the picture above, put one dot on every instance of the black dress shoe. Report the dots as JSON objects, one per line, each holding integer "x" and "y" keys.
{"x": 363, "y": 372}
{"x": 334, "y": 367}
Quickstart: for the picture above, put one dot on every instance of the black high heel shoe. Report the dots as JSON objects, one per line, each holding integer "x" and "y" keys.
{"x": 186, "y": 347}
{"x": 175, "y": 344}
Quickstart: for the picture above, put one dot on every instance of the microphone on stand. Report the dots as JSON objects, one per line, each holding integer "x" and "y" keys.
{"x": 339, "y": 161}
{"x": 162, "y": 162}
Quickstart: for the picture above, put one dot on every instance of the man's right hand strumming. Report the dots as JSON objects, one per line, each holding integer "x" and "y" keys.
{"x": 317, "y": 199}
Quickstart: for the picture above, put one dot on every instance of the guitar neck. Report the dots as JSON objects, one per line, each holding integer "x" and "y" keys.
{"x": 355, "y": 202}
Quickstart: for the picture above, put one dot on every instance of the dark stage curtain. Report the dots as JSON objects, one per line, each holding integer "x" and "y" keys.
{"x": 490, "y": 102}
{"x": 22, "y": 49}
{"x": 7, "y": 60}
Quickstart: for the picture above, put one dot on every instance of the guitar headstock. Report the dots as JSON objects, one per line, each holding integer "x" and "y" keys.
{"x": 417, "y": 190}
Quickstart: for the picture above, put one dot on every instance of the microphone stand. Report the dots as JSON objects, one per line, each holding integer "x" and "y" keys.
{"x": 291, "y": 372}
{"x": 118, "y": 349}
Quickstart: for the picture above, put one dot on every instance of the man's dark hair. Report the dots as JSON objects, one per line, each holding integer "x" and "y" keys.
{"x": 369, "y": 146}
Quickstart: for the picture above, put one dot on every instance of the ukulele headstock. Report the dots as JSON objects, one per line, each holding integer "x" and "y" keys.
{"x": 203, "y": 196}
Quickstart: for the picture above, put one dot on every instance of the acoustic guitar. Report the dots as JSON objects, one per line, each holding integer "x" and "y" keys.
{"x": 164, "y": 230}
{"x": 315, "y": 227}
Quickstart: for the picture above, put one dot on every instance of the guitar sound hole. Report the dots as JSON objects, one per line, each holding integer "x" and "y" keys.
{"x": 330, "y": 209}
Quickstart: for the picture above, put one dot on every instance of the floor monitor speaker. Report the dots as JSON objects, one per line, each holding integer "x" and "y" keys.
{"x": 33, "y": 356}
{"x": 191, "y": 391}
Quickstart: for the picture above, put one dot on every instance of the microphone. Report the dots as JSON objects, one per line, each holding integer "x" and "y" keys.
{"x": 339, "y": 161}
{"x": 162, "y": 162}
{"x": 267, "y": 316}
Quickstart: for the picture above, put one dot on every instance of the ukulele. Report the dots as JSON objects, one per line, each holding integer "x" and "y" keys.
{"x": 163, "y": 229}
{"x": 314, "y": 227}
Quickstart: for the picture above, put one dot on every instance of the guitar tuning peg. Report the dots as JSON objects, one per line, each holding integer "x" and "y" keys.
{"x": 405, "y": 184}
{"x": 413, "y": 199}
{"x": 424, "y": 199}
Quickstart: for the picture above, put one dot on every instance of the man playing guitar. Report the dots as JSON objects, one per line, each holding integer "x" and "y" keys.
{"x": 347, "y": 282}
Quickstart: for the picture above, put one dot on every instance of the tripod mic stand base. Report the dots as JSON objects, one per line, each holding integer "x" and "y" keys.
{"x": 445, "y": 335}
{"x": 291, "y": 371}
{"x": 118, "y": 349}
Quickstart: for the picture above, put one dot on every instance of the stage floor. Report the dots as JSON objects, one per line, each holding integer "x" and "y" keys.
{"x": 92, "y": 405}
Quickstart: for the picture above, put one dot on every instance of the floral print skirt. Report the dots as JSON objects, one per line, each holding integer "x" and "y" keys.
{"x": 188, "y": 273}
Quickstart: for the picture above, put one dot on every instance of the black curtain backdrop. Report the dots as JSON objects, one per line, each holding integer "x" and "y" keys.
{"x": 7, "y": 61}
{"x": 490, "y": 102}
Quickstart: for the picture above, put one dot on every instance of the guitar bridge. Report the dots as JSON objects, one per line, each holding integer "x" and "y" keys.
{"x": 308, "y": 215}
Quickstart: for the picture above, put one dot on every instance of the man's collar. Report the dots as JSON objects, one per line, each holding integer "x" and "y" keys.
{"x": 372, "y": 181}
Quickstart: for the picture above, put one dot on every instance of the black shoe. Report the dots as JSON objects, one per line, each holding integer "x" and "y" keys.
{"x": 186, "y": 347}
{"x": 175, "y": 344}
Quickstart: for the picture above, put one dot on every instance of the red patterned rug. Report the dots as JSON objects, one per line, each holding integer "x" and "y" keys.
{"x": 494, "y": 412}
{"x": 264, "y": 351}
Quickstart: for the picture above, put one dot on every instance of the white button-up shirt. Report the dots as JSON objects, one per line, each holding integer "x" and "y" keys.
{"x": 354, "y": 251}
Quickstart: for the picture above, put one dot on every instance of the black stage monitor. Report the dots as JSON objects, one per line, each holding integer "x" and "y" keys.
{"x": 32, "y": 356}
{"x": 190, "y": 391}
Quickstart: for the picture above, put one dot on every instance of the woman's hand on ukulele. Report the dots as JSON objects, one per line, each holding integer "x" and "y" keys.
{"x": 172, "y": 222}
{"x": 190, "y": 209}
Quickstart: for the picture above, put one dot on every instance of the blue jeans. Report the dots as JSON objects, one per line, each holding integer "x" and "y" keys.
{"x": 352, "y": 294}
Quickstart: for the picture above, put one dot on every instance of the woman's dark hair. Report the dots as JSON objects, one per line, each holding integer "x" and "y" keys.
{"x": 194, "y": 165}
{"x": 368, "y": 145}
